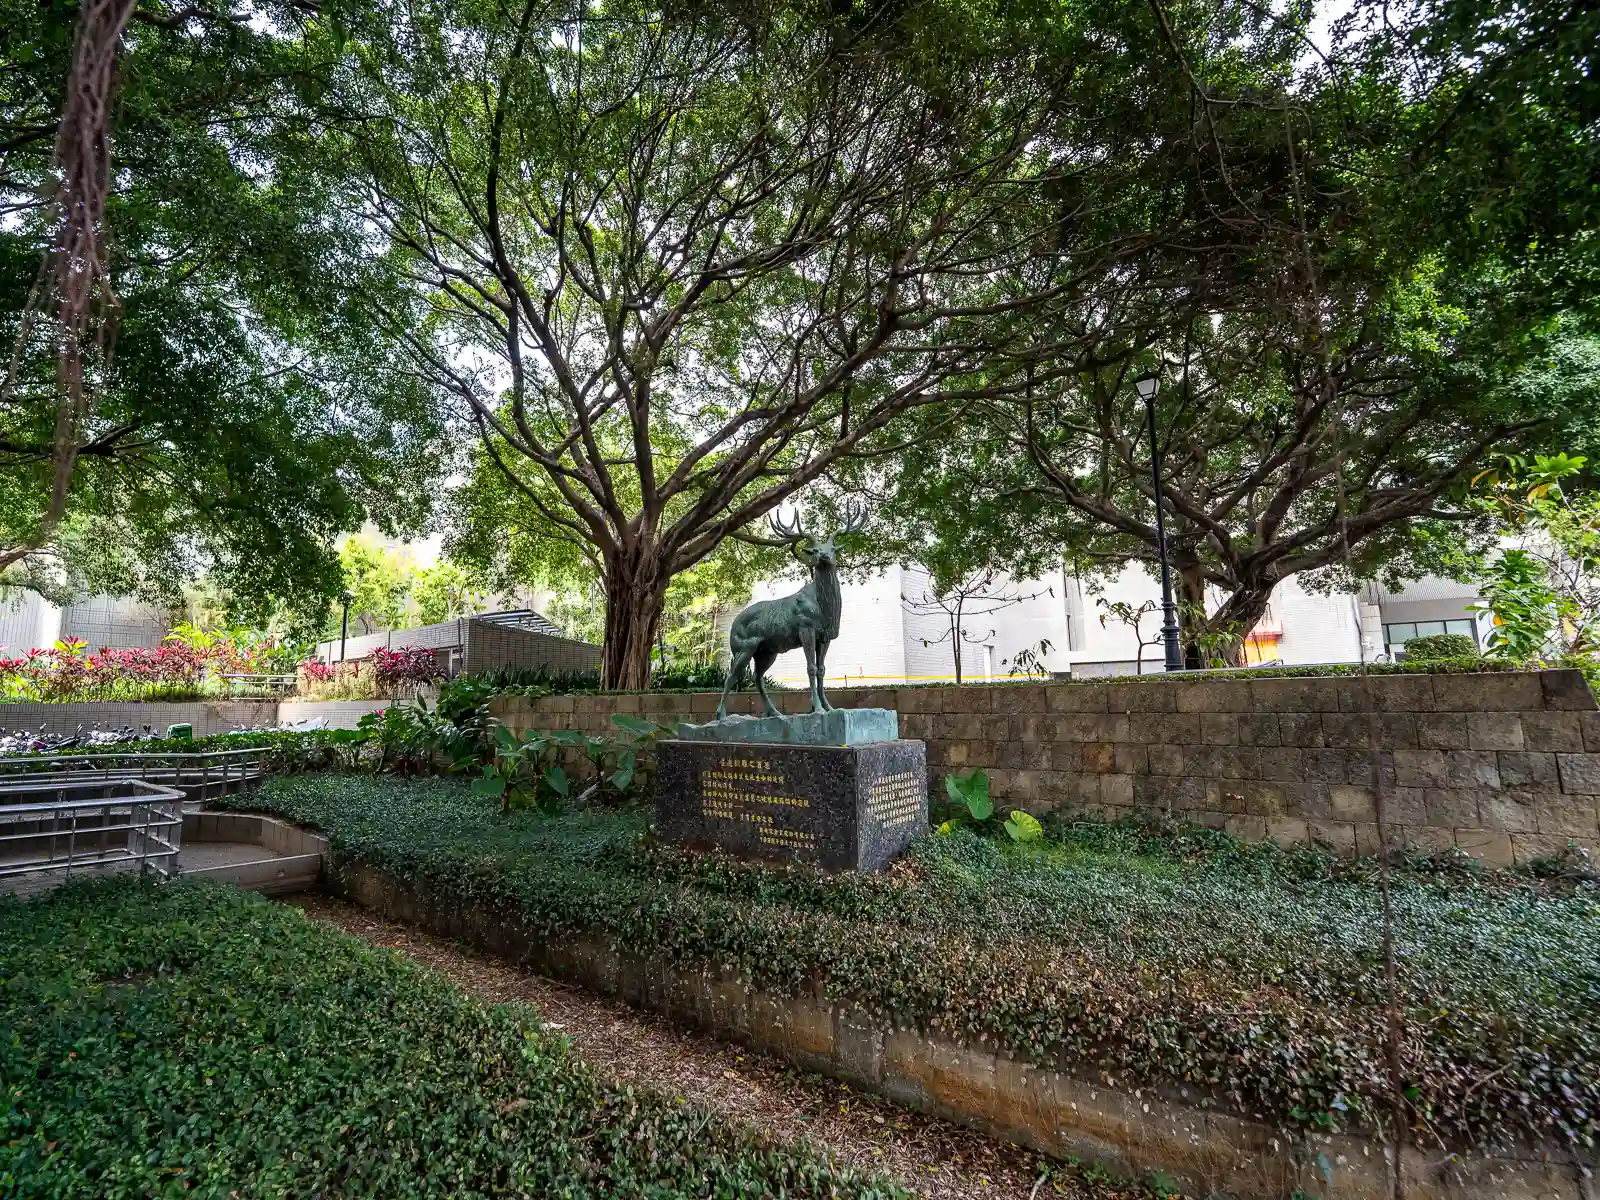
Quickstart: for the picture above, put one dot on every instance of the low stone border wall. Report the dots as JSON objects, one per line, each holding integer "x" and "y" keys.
{"x": 1504, "y": 765}
{"x": 337, "y": 714}
{"x": 1203, "y": 1150}
{"x": 207, "y": 716}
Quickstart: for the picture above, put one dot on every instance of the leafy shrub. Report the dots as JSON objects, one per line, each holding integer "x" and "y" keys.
{"x": 1246, "y": 972}
{"x": 409, "y": 665}
{"x": 188, "y": 665}
{"x": 1441, "y": 647}
{"x": 677, "y": 677}
{"x": 197, "y": 1040}
{"x": 526, "y": 771}
{"x": 969, "y": 790}
{"x": 338, "y": 681}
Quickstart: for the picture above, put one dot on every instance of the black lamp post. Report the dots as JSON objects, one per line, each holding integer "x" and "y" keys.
{"x": 1147, "y": 386}
{"x": 344, "y": 620}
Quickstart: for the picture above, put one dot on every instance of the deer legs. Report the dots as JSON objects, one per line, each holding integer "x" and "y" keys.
{"x": 735, "y": 666}
{"x": 763, "y": 659}
{"x": 816, "y": 652}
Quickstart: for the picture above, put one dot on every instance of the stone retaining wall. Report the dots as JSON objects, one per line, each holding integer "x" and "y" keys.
{"x": 1204, "y": 1151}
{"x": 1504, "y": 765}
{"x": 207, "y": 716}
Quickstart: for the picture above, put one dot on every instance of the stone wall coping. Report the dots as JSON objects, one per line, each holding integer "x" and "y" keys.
{"x": 1553, "y": 689}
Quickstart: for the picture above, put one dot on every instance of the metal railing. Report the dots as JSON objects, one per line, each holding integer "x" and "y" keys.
{"x": 277, "y": 685}
{"x": 51, "y": 829}
{"x": 200, "y": 776}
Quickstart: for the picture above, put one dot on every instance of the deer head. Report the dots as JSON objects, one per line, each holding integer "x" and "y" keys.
{"x": 809, "y": 550}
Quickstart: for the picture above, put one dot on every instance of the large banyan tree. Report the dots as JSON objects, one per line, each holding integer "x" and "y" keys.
{"x": 682, "y": 262}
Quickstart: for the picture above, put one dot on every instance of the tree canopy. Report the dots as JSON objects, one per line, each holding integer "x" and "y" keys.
{"x": 246, "y": 412}
{"x": 680, "y": 264}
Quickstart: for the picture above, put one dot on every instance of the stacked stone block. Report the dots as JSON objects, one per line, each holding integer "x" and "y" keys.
{"x": 1505, "y": 766}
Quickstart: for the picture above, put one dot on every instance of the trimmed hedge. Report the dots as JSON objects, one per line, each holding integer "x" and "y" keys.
{"x": 296, "y": 740}
{"x": 1245, "y": 972}
{"x": 199, "y": 1041}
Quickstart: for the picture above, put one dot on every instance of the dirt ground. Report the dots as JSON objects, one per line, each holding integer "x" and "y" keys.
{"x": 938, "y": 1160}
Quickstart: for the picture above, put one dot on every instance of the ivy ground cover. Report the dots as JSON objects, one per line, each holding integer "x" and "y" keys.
{"x": 1240, "y": 972}
{"x": 193, "y": 1040}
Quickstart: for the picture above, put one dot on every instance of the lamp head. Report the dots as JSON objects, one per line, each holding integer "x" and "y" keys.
{"x": 347, "y": 595}
{"x": 1147, "y": 386}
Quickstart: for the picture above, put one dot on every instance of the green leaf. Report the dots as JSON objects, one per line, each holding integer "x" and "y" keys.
{"x": 489, "y": 785}
{"x": 1023, "y": 827}
{"x": 622, "y": 779}
{"x": 637, "y": 726}
{"x": 556, "y": 780}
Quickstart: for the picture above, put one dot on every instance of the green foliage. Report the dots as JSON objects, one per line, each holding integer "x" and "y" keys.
{"x": 445, "y": 592}
{"x": 186, "y": 1039}
{"x": 1153, "y": 957}
{"x": 1441, "y": 647}
{"x": 378, "y": 580}
{"x": 519, "y": 771}
{"x": 1023, "y": 827}
{"x": 970, "y": 789}
{"x": 253, "y": 411}
{"x": 1545, "y": 498}
{"x": 1517, "y": 592}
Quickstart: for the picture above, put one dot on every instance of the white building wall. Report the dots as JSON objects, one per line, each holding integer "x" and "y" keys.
{"x": 114, "y": 621}
{"x": 870, "y": 648}
{"x": 27, "y": 622}
{"x": 1316, "y": 628}
{"x": 881, "y": 638}
{"x": 1114, "y": 644}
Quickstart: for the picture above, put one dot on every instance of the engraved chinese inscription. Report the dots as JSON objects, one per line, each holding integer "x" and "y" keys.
{"x": 897, "y": 799}
{"x": 749, "y": 790}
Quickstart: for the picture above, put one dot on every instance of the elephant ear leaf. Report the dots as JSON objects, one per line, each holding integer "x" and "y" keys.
{"x": 489, "y": 785}
{"x": 557, "y": 781}
{"x": 1023, "y": 827}
{"x": 637, "y": 726}
{"x": 971, "y": 790}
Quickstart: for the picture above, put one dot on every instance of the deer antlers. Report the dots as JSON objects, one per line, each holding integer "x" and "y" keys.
{"x": 791, "y": 534}
{"x": 787, "y": 532}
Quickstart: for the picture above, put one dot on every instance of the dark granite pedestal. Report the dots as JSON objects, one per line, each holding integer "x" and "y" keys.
{"x": 838, "y": 807}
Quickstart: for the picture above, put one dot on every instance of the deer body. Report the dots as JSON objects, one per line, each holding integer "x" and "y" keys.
{"x": 806, "y": 620}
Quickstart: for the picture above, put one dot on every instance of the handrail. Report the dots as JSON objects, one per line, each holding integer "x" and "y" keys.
{"x": 149, "y": 833}
{"x": 199, "y": 775}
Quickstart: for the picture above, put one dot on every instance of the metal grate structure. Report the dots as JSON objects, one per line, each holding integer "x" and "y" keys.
{"x": 54, "y": 831}
{"x": 200, "y": 776}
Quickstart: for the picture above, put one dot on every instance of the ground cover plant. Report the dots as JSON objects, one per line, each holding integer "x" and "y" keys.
{"x": 1241, "y": 972}
{"x": 192, "y": 1040}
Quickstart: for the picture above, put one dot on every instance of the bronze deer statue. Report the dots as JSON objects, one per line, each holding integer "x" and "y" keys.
{"x": 807, "y": 619}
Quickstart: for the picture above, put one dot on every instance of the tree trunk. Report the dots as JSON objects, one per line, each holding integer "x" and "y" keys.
{"x": 1238, "y": 616}
{"x": 955, "y": 641}
{"x": 1191, "y": 619}
{"x": 634, "y": 601}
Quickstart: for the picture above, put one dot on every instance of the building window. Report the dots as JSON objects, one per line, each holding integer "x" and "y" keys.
{"x": 1399, "y": 633}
